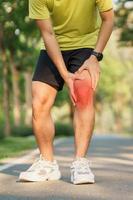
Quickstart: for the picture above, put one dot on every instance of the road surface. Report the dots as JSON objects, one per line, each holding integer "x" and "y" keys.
{"x": 112, "y": 164}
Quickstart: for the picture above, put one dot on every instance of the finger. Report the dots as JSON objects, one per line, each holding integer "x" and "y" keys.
{"x": 93, "y": 80}
{"x": 79, "y": 77}
{"x": 95, "y": 85}
{"x": 73, "y": 96}
{"x": 91, "y": 76}
{"x": 81, "y": 69}
{"x": 97, "y": 80}
{"x": 72, "y": 93}
{"x": 76, "y": 72}
{"x": 72, "y": 100}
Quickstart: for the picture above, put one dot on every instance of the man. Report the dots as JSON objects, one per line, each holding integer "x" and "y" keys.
{"x": 74, "y": 35}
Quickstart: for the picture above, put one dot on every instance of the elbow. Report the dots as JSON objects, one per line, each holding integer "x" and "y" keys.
{"x": 47, "y": 33}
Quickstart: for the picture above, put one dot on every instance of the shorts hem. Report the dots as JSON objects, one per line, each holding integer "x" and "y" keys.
{"x": 54, "y": 86}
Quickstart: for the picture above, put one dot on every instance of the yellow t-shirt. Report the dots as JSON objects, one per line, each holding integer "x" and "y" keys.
{"x": 76, "y": 23}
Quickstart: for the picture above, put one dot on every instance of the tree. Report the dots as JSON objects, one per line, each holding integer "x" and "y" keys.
{"x": 17, "y": 38}
{"x": 124, "y": 21}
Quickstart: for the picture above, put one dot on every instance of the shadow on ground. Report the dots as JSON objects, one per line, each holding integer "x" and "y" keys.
{"x": 111, "y": 163}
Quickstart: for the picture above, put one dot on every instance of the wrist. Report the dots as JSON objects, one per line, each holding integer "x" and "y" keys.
{"x": 97, "y": 55}
{"x": 65, "y": 75}
{"x": 98, "y": 50}
{"x": 93, "y": 58}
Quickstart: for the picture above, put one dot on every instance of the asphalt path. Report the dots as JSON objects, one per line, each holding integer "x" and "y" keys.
{"x": 112, "y": 164}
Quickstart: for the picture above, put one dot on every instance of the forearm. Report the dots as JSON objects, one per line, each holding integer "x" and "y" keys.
{"x": 104, "y": 35}
{"x": 54, "y": 53}
{"x": 105, "y": 31}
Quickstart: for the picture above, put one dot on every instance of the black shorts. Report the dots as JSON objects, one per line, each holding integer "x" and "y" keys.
{"x": 47, "y": 72}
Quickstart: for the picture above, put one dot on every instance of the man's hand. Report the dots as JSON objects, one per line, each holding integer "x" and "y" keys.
{"x": 69, "y": 80}
{"x": 93, "y": 67}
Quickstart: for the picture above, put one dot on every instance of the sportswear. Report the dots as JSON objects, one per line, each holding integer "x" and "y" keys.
{"x": 47, "y": 72}
{"x": 76, "y": 23}
{"x": 41, "y": 170}
{"x": 81, "y": 172}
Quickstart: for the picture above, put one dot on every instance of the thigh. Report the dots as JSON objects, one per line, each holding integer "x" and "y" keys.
{"x": 46, "y": 72}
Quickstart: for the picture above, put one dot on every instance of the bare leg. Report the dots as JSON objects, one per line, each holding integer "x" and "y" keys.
{"x": 43, "y": 126}
{"x": 84, "y": 115}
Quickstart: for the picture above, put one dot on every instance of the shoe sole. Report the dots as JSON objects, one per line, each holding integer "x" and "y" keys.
{"x": 49, "y": 177}
{"x": 83, "y": 182}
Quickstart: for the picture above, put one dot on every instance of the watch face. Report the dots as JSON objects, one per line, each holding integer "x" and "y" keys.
{"x": 99, "y": 56}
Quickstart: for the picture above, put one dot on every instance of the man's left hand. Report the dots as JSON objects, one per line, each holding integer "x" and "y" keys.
{"x": 93, "y": 67}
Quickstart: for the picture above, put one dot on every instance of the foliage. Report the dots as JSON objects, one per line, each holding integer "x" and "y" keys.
{"x": 20, "y": 39}
{"x": 18, "y": 32}
{"x": 124, "y": 20}
{"x": 13, "y": 146}
{"x": 63, "y": 129}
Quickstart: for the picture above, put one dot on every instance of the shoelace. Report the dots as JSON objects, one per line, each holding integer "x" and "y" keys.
{"x": 39, "y": 164}
{"x": 36, "y": 165}
{"x": 82, "y": 166}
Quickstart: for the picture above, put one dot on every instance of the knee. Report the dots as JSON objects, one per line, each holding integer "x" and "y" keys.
{"x": 84, "y": 93}
{"x": 39, "y": 106}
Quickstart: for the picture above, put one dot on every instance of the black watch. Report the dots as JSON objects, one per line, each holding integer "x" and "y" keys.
{"x": 98, "y": 55}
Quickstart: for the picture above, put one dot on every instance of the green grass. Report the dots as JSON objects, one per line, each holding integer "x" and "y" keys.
{"x": 13, "y": 146}
{"x": 20, "y": 142}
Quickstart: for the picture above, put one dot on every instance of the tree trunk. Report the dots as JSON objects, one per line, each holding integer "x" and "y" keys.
{"x": 16, "y": 93}
{"x": 6, "y": 106}
{"x": 28, "y": 98}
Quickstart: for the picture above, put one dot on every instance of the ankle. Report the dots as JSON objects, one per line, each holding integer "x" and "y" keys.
{"x": 48, "y": 158}
{"x": 80, "y": 156}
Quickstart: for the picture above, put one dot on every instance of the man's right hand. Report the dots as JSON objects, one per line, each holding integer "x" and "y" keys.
{"x": 69, "y": 80}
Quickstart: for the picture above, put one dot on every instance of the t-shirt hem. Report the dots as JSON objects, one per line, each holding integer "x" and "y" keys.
{"x": 105, "y": 10}
{"x": 73, "y": 48}
{"x": 38, "y": 17}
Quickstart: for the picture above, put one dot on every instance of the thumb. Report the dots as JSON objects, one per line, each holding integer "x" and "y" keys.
{"x": 81, "y": 69}
{"x": 74, "y": 98}
{"x": 78, "y": 76}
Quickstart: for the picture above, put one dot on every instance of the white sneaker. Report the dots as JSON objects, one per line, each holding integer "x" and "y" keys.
{"x": 41, "y": 170}
{"x": 81, "y": 172}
